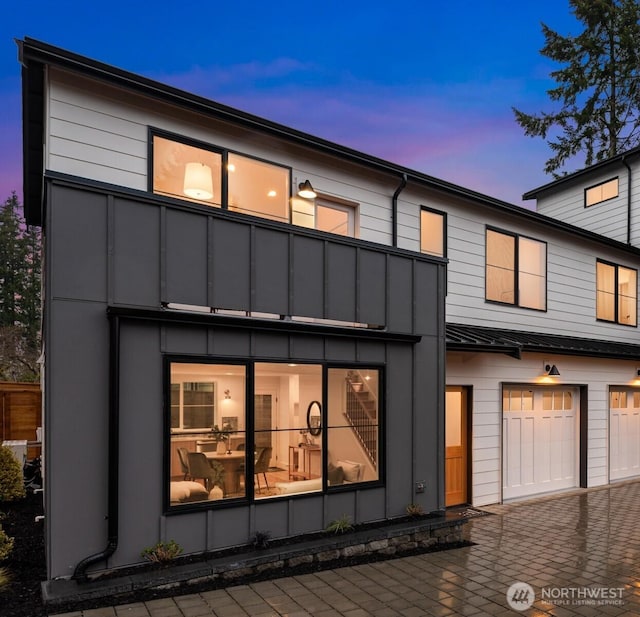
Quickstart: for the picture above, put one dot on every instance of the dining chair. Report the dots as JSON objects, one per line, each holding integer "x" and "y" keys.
{"x": 262, "y": 466}
{"x": 183, "y": 455}
{"x": 199, "y": 467}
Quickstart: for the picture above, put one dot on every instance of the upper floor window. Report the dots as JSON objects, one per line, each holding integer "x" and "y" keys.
{"x": 258, "y": 188}
{"x": 186, "y": 171}
{"x": 516, "y": 270}
{"x": 616, "y": 293}
{"x": 197, "y": 172}
{"x": 432, "y": 232}
{"x": 330, "y": 214}
{"x": 601, "y": 192}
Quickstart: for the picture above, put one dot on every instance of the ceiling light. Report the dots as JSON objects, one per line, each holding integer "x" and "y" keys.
{"x": 198, "y": 182}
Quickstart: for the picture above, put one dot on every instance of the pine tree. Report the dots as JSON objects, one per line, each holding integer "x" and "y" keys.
{"x": 20, "y": 311}
{"x": 598, "y": 85}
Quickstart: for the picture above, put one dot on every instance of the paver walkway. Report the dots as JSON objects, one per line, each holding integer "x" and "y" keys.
{"x": 582, "y": 549}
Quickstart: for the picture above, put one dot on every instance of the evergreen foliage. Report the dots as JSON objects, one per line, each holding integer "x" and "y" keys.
{"x": 598, "y": 85}
{"x": 20, "y": 308}
{"x": 11, "y": 479}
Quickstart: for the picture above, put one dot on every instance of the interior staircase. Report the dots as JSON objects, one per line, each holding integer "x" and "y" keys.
{"x": 362, "y": 415}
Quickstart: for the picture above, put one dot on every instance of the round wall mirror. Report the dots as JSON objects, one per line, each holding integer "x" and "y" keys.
{"x": 314, "y": 418}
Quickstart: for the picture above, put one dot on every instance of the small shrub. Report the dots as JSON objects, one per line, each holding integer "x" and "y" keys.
{"x": 261, "y": 539}
{"x": 11, "y": 478}
{"x": 6, "y": 545}
{"x": 340, "y": 525}
{"x": 415, "y": 510}
{"x": 4, "y": 577}
{"x": 163, "y": 552}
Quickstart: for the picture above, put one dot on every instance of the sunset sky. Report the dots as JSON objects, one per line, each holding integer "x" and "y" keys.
{"x": 425, "y": 84}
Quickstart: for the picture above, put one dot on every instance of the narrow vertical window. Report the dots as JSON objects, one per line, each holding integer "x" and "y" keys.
{"x": 500, "y": 267}
{"x": 353, "y": 425}
{"x": 207, "y": 442}
{"x": 432, "y": 232}
{"x": 288, "y": 424}
{"x": 532, "y": 284}
{"x": 616, "y": 293}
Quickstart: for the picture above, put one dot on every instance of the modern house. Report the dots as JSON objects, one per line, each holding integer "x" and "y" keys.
{"x": 195, "y": 294}
{"x": 250, "y": 328}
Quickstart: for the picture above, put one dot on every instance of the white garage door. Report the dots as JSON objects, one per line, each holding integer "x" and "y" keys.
{"x": 624, "y": 434}
{"x": 539, "y": 440}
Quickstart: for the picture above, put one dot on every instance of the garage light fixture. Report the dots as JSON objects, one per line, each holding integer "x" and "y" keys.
{"x": 552, "y": 370}
{"x": 306, "y": 191}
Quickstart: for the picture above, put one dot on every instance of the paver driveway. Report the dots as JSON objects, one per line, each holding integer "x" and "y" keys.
{"x": 581, "y": 549}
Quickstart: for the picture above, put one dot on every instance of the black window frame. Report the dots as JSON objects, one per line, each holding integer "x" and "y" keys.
{"x": 249, "y": 497}
{"x": 444, "y": 231}
{"x": 224, "y": 153}
{"x": 601, "y": 201}
{"x": 516, "y": 269}
{"x": 616, "y": 319}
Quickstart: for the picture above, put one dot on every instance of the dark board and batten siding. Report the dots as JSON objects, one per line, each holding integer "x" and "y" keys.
{"x": 124, "y": 251}
{"x": 109, "y": 249}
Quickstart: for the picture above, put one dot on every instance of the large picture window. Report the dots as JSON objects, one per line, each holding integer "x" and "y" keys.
{"x": 616, "y": 293}
{"x": 516, "y": 270}
{"x": 301, "y": 442}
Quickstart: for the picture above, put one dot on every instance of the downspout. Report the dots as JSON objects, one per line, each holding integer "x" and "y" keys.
{"x": 394, "y": 211}
{"x": 624, "y": 162}
{"x": 113, "y": 457}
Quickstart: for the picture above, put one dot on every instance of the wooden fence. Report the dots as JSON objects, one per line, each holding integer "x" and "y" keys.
{"x": 21, "y": 413}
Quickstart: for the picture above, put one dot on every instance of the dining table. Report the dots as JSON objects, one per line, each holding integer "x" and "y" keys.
{"x": 232, "y": 461}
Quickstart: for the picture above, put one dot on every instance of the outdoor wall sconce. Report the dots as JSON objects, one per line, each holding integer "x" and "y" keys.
{"x": 552, "y": 370}
{"x": 227, "y": 395}
{"x": 198, "y": 181}
{"x": 306, "y": 191}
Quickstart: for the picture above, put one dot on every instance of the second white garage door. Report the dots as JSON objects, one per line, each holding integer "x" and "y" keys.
{"x": 624, "y": 434}
{"x": 539, "y": 440}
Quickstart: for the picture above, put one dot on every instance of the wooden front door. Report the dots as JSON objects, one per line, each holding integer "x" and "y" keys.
{"x": 456, "y": 454}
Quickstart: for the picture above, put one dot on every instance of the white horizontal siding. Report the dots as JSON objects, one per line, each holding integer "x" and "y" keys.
{"x": 99, "y": 133}
{"x": 571, "y": 271}
{"x": 609, "y": 218}
{"x": 485, "y": 374}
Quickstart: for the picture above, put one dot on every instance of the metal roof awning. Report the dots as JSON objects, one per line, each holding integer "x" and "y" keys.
{"x": 462, "y": 337}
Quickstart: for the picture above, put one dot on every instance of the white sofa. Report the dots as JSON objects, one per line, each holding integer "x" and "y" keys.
{"x": 185, "y": 491}
{"x": 343, "y": 472}
{"x": 299, "y": 486}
